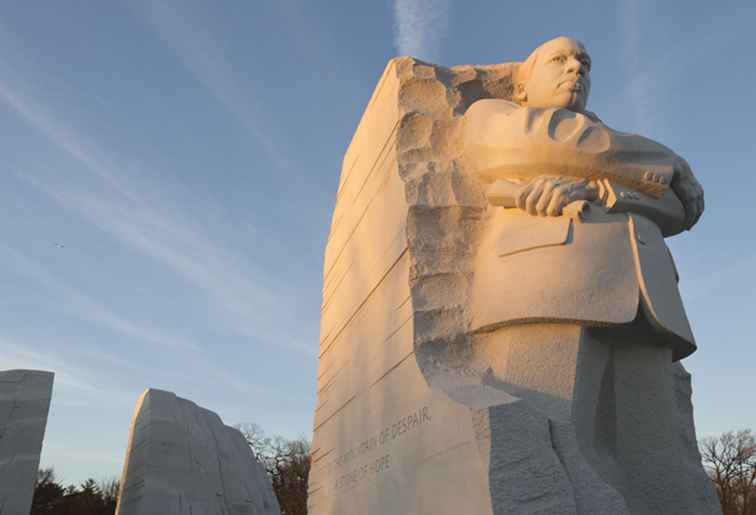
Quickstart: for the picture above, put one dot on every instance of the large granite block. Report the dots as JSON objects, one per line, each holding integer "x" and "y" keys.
{"x": 24, "y": 404}
{"x": 182, "y": 460}
{"x": 384, "y": 441}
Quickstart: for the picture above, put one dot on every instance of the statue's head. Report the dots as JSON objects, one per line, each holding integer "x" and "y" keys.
{"x": 556, "y": 74}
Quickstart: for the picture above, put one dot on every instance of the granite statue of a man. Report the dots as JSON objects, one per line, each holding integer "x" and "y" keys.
{"x": 501, "y": 326}
{"x": 575, "y": 305}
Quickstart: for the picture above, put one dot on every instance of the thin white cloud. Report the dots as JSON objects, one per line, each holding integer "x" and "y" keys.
{"x": 87, "y": 308}
{"x": 727, "y": 276}
{"x": 74, "y": 385}
{"x": 641, "y": 84}
{"x": 250, "y": 302}
{"x": 76, "y": 388}
{"x": 60, "y": 135}
{"x": 420, "y": 27}
{"x": 201, "y": 52}
{"x": 247, "y": 298}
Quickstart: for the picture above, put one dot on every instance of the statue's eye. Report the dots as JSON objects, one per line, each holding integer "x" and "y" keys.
{"x": 558, "y": 59}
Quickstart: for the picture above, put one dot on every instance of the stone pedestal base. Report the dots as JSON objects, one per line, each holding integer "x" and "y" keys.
{"x": 599, "y": 421}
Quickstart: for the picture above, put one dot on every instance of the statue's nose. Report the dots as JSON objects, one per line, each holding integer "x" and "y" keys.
{"x": 575, "y": 66}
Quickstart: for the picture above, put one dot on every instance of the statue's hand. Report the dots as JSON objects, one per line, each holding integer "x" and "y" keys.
{"x": 689, "y": 191}
{"x": 548, "y": 194}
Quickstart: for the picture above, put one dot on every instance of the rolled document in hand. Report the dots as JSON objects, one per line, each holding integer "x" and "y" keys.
{"x": 503, "y": 193}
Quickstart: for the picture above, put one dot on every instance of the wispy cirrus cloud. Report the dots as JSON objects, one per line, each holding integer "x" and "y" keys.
{"x": 185, "y": 32}
{"x": 642, "y": 84}
{"x": 64, "y": 138}
{"x": 246, "y": 296}
{"x": 246, "y": 299}
{"x": 420, "y": 27}
{"x": 86, "y": 308}
{"x": 78, "y": 387}
{"x": 74, "y": 384}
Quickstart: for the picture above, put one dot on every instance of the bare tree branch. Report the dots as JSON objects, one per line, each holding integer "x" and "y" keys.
{"x": 730, "y": 461}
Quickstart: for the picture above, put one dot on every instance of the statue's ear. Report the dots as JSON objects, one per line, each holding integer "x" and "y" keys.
{"x": 520, "y": 95}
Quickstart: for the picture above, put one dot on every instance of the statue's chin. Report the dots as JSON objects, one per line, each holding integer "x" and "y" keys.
{"x": 577, "y": 107}
{"x": 578, "y": 102}
{"x": 572, "y": 101}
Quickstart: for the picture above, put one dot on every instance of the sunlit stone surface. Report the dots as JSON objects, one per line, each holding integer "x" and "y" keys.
{"x": 182, "y": 460}
{"x": 24, "y": 403}
{"x": 476, "y": 357}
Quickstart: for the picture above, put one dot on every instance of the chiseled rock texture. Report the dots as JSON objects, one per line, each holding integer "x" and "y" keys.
{"x": 24, "y": 403}
{"x": 410, "y": 418}
{"x": 395, "y": 279}
{"x": 182, "y": 460}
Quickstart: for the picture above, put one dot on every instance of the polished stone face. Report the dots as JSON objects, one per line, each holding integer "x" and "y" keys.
{"x": 560, "y": 75}
{"x": 182, "y": 460}
{"x": 24, "y": 404}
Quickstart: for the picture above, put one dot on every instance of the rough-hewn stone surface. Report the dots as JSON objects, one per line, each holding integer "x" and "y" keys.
{"x": 182, "y": 460}
{"x": 384, "y": 442}
{"x": 24, "y": 403}
{"x": 419, "y": 414}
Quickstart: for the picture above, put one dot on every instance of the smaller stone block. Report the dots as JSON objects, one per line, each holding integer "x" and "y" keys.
{"x": 182, "y": 460}
{"x": 24, "y": 404}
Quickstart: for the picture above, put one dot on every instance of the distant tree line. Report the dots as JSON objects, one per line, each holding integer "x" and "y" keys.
{"x": 729, "y": 459}
{"x": 89, "y": 498}
{"x": 287, "y": 462}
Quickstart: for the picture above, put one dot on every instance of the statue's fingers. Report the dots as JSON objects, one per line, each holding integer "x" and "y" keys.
{"x": 533, "y": 197}
{"x": 523, "y": 195}
{"x": 557, "y": 202}
{"x": 546, "y": 193}
{"x": 590, "y": 190}
{"x": 573, "y": 195}
{"x": 564, "y": 201}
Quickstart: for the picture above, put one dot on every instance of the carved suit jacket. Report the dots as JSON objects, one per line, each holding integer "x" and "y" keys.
{"x": 596, "y": 264}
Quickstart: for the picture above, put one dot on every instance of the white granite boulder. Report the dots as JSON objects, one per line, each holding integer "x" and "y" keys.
{"x": 24, "y": 404}
{"x": 182, "y": 460}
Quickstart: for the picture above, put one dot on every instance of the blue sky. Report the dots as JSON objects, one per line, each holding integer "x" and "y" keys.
{"x": 169, "y": 169}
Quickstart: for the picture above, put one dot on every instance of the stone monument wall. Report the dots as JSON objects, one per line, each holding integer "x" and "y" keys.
{"x": 24, "y": 404}
{"x": 182, "y": 460}
{"x": 396, "y": 274}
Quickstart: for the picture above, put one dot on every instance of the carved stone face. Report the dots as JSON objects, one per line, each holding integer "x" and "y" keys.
{"x": 559, "y": 76}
